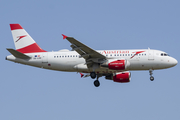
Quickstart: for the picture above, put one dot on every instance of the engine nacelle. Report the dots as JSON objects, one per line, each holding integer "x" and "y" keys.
{"x": 123, "y": 77}
{"x": 116, "y": 64}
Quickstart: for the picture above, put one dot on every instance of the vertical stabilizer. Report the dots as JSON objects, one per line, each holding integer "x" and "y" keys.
{"x": 23, "y": 41}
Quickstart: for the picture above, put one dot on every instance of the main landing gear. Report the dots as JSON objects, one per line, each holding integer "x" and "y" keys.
{"x": 96, "y": 82}
{"x": 150, "y": 73}
{"x": 93, "y": 75}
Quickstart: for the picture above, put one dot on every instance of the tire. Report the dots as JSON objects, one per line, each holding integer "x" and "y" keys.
{"x": 93, "y": 75}
{"x": 151, "y": 78}
{"x": 96, "y": 83}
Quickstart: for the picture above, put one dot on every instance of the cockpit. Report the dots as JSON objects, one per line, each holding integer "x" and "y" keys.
{"x": 164, "y": 54}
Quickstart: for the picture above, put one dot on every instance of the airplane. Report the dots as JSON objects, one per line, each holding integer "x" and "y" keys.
{"x": 113, "y": 64}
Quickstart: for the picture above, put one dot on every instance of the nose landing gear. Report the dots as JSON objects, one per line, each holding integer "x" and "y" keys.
{"x": 151, "y": 78}
{"x": 150, "y": 73}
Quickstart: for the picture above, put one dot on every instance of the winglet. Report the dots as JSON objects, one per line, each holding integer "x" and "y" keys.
{"x": 64, "y": 36}
{"x": 82, "y": 75}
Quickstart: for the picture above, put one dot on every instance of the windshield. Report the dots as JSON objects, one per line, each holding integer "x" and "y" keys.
{"x": 164, "y": 54}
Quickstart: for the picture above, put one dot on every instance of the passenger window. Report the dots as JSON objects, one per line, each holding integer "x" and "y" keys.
{"x": 54, "y": 56}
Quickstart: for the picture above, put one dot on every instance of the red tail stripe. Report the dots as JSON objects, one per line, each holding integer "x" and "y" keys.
{"x": 15, "y": 26}
{"x": 31, "y": 49}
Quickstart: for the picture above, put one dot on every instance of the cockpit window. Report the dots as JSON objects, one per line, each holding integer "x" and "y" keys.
{"x": 164, "y": 54}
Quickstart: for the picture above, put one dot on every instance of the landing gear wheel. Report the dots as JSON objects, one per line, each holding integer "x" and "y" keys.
{"x": 150, "y": 73}
{"x": 96, "y": 83}
{"x": 93, "y": 75}
{"x": 151, "y": 78}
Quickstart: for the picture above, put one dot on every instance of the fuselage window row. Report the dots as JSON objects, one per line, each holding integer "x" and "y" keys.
{"x": 116, "y": 55}
{"x": 67, "y": 56}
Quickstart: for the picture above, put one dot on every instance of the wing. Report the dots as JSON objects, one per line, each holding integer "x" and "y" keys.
{"x": 91, "y": 56}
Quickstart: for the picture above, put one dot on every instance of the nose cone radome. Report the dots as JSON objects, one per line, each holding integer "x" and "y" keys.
{"x": 169, "y": 62}
{"x": 174, "y": 62}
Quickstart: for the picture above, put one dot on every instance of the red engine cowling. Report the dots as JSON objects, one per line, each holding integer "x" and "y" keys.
{"x": 122, "y": 77}
{"x": 117, "y": 65}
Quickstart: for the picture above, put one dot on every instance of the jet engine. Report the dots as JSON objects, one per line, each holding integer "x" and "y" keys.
{"x": 123, "y": 77}
{"x": 116, "y": 64}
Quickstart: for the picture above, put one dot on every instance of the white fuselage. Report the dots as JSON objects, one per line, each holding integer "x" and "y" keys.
{"x": 71, "y": 61}
{"x": 113, "y": 64}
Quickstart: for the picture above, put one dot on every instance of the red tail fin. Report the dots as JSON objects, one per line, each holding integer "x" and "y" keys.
{"x": 23, "y": 41}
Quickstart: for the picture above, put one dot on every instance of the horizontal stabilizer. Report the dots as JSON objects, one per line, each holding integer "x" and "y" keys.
{"x": 18, "y": 54}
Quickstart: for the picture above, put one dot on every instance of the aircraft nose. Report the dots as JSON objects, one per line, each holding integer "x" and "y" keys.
{"x": 174, "y": 62}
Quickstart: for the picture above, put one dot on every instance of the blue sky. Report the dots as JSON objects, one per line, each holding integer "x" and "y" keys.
{"x": 32, "y": 93}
